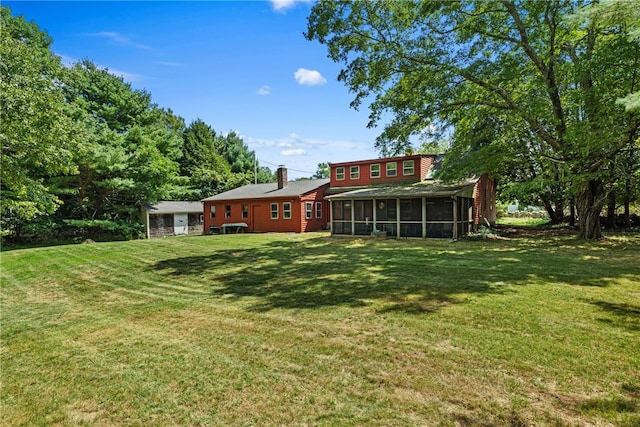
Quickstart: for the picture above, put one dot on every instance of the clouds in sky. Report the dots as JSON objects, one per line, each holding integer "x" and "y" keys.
{"x": 120, "y": 39}
{"x": 264, "y": 90}
{"x": 309, "y": 77}
{"x": 282, "y": 5}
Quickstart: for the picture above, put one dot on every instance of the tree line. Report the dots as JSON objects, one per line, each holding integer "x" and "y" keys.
{"x": 80, "y": 146}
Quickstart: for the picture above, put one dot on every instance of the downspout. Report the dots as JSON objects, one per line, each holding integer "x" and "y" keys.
{"x": 455, "y": 217}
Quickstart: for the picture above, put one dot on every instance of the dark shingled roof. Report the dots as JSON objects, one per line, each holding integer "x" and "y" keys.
{"x": 418, "y": 189}
{"x": 165, "y": 207}
{"x": 270, "y": 190}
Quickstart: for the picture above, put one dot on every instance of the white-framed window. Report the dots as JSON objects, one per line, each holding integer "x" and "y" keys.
{"x": 355, "y": 172}
{"x": 375, "y": 170}
{"x": 340, "y": 174}
{"x": 392, "y": 169}
{"x": 227, "y": 211}
{"x": 274, "y": 211}
{"x": 318, "y": 210}
{"x": 201, "y": 218}
{"x": 245, "y": 211}
{"x": 407, "y": 167}
{"x": 212, "y": 211}
{"x": 286, "y": 210}
{"x": 308, "y": 210}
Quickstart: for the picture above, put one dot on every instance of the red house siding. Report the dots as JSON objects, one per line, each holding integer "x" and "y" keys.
{"x": 484, "y": 204}
{"x": 259, "y": 219}
{"x": 421, "y": 165}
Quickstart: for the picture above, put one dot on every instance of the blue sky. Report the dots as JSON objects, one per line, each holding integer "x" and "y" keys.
{"x": 237, "y": 65}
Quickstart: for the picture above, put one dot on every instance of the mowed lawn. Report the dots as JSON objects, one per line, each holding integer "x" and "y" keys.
{"x": 287, "y": 329}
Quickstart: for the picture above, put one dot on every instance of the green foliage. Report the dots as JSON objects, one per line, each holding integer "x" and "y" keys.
{"x": 36, "y": 134}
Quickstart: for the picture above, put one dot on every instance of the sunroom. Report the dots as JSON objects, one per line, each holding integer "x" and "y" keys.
{"x": 424, "y": 210}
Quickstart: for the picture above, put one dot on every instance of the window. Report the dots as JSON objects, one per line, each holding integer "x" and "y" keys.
{"x": 407, "y": 167}
{"x": 245, "y": 211}
{"x": 355, "y": 172}
{"x": 375, "y": 170}
{"x": 340, "y": 174}
{"x": 286, "y": 210}
{"x": 318, "y": 210}
{"x": 212, "y": 211}
{"x": 308, "y": 210}
{"x": 274, "y": 211}
{"x": 201, "y": 219}
{"x": 391, "y": 169}
{"x": 227, "y": 212}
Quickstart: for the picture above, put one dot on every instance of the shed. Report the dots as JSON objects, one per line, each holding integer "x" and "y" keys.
{"x": 170, "y": 218}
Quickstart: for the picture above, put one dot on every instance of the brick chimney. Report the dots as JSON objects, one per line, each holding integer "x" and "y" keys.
{"x": 282, "y": 177}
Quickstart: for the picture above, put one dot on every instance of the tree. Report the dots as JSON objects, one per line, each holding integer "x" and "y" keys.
{"x": 36, "y": 134}
{"x": 208, "y": 170}
{"x": 525, "y": 64}
{"x": 129, "y": 151}
{"x": 323, "y": 171}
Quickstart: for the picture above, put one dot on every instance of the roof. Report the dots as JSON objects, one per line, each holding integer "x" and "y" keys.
{"x": 167, "y": 207}
{"x": 418, "y": 189}
{"x": 270, "y": 190}
{"x": 383, "y": 159}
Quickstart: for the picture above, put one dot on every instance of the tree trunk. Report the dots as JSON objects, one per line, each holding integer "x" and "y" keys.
{"x": 589, "y": 204}
{"x": 572, "y": 213}
{"x": 611, "y": 210}
{"x": 549, "y": 208}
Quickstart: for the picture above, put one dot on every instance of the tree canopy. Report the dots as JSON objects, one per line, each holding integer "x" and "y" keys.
{"x": 526, "y": 90}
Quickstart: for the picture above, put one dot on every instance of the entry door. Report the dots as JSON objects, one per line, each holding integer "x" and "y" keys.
{"x": 180, "y": 224}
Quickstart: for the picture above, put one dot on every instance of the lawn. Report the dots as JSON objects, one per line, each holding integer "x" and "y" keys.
{"x": 289, "y": 329}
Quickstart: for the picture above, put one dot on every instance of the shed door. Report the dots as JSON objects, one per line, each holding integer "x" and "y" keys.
{"x": 180, "y": 223}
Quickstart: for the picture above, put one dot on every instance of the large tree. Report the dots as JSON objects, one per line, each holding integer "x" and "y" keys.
{"x": 35, "y": 130}
{"x": 129, "y": 148}
{"x": 551, "y": 82}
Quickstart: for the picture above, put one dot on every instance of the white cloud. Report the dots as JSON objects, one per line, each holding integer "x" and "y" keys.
{"x": 264, "y": 90}
{"x": 309, "y": 77}
{"x": 281, "y": 5}
{"x": 169, "y": 63}
{"x": 119, "y": 39}
{"x": 294, "y": 152}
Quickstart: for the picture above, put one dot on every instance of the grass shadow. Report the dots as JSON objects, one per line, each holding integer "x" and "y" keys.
{"x": 393, "y": 275}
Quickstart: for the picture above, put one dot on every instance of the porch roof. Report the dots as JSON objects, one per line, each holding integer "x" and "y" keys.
{"x": 418, "y": 189}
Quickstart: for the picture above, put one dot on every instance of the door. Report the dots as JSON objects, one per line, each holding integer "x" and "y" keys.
{"x": 180, "y": 223}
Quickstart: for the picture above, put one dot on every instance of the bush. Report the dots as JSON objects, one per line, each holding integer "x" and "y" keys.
{"x": 102, "y": 229}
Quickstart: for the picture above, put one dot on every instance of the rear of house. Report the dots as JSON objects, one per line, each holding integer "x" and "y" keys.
{"x": 297, "y": 206}
{"x": 399, "y": 196}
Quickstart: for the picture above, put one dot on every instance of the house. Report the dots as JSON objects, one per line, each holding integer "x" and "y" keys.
{"x": 399, "y": 196}
{"x": 171, "y": 218}
{"x": 282, "y": 206}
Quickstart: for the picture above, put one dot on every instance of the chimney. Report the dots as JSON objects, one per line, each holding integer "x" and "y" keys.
{"x": 282, "y": 177}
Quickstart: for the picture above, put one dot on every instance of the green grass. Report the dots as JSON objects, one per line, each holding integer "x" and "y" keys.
{"x": 277, "y": 329}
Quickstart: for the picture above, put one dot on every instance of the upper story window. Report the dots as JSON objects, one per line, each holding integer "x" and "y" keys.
{"x": 375, "y": 170}
{"x": 274, "y": 211}
{"x": 308, "y": 210}
{"x": 340, "y": 174}
{"x": 392, "y": 169}
{"x": 407, "y": 167}
{"x": 355, "y": 172}
{"x": 286, "y": 210}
